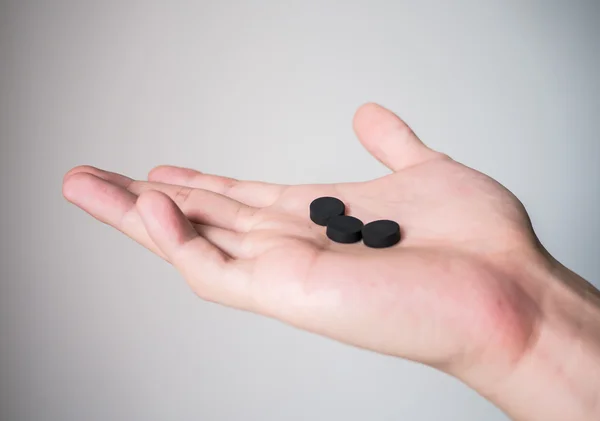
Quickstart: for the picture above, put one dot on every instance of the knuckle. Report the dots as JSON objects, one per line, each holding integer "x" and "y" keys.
{"x": 182, "y": 195}
{"x": 244, "y": 217}
{"x": 228, "y": 184}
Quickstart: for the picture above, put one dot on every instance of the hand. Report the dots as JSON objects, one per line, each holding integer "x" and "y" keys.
{"x": 458, "y": 292}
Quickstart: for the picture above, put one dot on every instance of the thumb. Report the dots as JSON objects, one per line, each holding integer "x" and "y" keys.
{"x": 389, "y": 139}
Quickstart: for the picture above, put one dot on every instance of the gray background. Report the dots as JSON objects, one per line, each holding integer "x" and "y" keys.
{"x": 94, "y": 327}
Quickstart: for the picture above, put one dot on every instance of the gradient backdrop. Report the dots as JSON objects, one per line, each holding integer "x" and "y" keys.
{"x": 93, "y": 327}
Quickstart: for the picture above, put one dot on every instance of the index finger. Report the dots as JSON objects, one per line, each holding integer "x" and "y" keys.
{"x": 251, "y": 193}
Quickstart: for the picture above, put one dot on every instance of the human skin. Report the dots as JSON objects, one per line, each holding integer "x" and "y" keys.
{"x": 469, "y": 290}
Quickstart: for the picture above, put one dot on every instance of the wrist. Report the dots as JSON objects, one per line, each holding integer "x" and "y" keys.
{"x": 558, "y": 377}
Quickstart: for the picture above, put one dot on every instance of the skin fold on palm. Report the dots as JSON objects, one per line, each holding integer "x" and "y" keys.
{"x": 454, "y": 293}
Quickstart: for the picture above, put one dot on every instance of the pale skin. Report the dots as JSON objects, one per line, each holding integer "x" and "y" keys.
{"x": 469, "y": 290}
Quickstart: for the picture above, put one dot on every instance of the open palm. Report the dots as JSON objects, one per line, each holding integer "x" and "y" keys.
{"x": 450, "y": 294}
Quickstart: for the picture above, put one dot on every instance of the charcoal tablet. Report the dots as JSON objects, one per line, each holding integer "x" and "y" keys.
{"x": 381, "y": 234}
{"x": 324, "y": 208}
{"x": 344, "y": 229}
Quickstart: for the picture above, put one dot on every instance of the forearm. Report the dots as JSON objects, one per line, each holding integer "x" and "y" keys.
{"x": 559, "y": 377}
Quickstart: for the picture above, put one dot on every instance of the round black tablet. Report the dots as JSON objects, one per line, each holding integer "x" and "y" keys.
{"x": 381, "y": 234}
{"x": 344, "y": 229}
{"x": 324, "y": 208}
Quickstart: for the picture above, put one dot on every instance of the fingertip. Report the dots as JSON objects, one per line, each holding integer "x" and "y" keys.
{"x": 371, "y": 115}
{"x": 112, "y": 177}
{"x": 165, "y": 222}
{"x": 78, "y": 169}
{"x": 367, "y": 111}
{"x": 367, "y": 107}
{"x": 67, "y": 187}
{"x": 156, "y": 171}
{"x": 167, "y": 172}
{"x": 388, "y": 138}
{"x": 74, "y": 183}
{"x": 151, "y": 201}
{"x": 153, "y": 207}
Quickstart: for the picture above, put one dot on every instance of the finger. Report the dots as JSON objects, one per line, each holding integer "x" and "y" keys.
{"x": 252, "y": 193}
{"x": 115, "y": 206}
{"x": 203, "y": 206}
{"x": 109, "y": 204}
{"x": 200, "y": 206}
{"x": 211, "y": 274}
{"x": 112, "y": 177}
{"x": 389, "y": 139}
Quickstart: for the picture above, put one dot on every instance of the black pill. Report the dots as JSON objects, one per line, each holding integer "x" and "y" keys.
{"x": 381, "y": 234}
{"x": 344, "y": 229}
{"x": 324, "y": 208}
